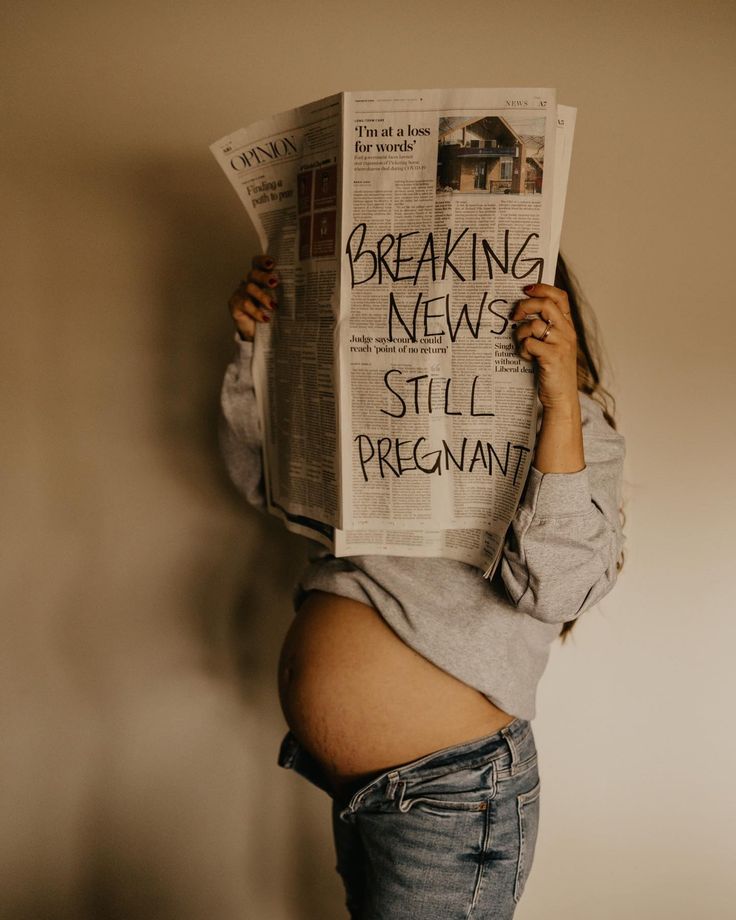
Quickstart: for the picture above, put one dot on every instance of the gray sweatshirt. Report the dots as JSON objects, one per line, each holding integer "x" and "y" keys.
{"x": 558, "y": 560}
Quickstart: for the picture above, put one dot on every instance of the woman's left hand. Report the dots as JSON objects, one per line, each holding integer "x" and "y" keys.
{"x": 552, "y": 342}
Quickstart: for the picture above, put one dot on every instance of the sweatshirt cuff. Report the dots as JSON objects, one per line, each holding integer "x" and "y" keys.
{"x": 558, "y": 494}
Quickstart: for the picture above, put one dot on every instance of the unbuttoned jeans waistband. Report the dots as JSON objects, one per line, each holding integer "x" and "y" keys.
{"x": 510, "y": 748}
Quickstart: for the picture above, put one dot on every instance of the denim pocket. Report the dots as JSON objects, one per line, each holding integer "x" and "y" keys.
{"x": 459, "y": 788}
{"x": 527, "y": 807}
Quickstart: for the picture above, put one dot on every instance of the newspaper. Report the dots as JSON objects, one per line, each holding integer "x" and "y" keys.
{"x": 397, "y": 417}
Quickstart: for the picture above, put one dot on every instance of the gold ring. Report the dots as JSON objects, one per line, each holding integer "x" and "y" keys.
{"x": 544, "y": 335}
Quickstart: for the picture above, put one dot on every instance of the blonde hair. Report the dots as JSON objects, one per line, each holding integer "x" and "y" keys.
{"x": 589, "y": 361}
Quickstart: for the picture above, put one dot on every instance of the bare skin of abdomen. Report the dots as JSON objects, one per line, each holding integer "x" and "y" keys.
{"x": 360, "y": 700}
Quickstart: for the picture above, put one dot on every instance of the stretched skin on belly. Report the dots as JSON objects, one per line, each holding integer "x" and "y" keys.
{"x": 360, "y": 700}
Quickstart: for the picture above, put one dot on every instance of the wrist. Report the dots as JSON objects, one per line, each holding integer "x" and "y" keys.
{"x": 559, "y": 447}
{"x": 564, "y": 411}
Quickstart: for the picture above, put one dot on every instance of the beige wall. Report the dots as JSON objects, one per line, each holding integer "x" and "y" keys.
{"x": 144, "y": 604}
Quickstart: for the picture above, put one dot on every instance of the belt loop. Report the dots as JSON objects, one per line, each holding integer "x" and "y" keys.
{"x": 393, "y": 782}
{"x": 506, "y": 732}
{"x": 288, "y": 751}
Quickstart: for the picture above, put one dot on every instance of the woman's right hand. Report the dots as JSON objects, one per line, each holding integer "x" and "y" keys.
{"x": 254, "y": 299}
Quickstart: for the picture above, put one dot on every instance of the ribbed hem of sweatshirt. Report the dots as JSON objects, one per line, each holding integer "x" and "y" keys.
{"x": 558, "y": 494}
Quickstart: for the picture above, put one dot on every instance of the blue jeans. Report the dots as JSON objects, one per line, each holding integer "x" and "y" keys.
{"x": 449, "y": 835}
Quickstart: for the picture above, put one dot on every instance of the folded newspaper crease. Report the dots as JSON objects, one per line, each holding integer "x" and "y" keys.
{"x": 397, "y": 417}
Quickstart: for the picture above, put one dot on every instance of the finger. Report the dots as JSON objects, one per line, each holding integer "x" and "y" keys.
{"x": 533, "y": 348}
{"x": 265, "y": 299}
{"x": 555, "y": 294}
{"x": 267, "y": 279}
{"x": 537, "y": 306}
{"x": 256, "y": 311}
{"x": 244, "y": 323}
{"x": 545, "y": 308}
{"x": 263, "y": 261}
{"x": 535, "y": 328}
{"x": 244, "y": 308}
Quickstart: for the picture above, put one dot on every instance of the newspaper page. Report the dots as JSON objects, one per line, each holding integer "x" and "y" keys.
{"x": 287, "y": 172}
{"x": 566, "y": 115}
{"x": 448, "y": 211}
{"x": 397, "y": 417}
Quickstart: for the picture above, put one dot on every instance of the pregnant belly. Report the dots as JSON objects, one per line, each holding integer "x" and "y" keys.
{"x": 360, "y": 700}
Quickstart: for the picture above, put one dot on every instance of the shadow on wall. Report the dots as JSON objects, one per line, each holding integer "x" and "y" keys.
{"x": 186, "y": 813}
{"x": 210, "y": 244}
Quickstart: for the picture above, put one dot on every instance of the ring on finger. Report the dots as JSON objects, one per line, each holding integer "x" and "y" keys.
{"x": 544, "y": 335}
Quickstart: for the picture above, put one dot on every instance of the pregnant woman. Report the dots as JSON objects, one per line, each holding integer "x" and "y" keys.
{"x": 409, "y": 684}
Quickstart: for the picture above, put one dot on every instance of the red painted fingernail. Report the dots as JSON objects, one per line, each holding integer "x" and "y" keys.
{"x": 527, "y": 287}
{"x": 269, "y": 263}
{"x": 266, "y": 319}
{"x": 273, "y": 281}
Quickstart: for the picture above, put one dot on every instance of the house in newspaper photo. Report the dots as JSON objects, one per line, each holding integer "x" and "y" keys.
{"x": 490, "y": 154}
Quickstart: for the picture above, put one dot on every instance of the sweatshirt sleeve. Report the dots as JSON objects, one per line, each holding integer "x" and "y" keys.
{"x": 239, "y": 428}
{"x": 564, "y": 542}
